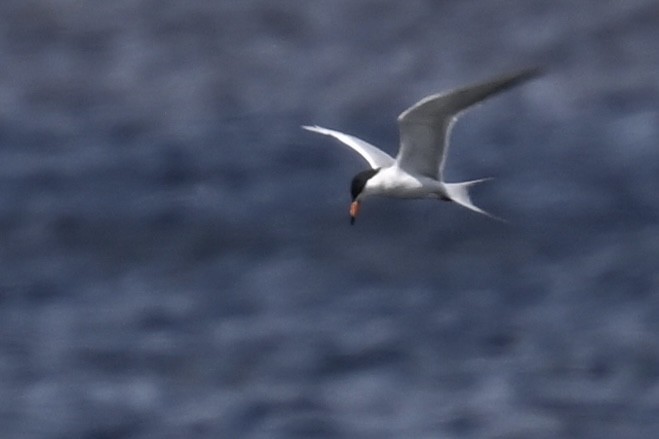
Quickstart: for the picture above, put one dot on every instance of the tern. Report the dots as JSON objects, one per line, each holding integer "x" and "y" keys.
{"x": 425, "y": 128}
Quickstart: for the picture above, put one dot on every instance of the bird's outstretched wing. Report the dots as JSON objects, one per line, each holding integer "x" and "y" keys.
{"x": 373, "y": 155}
{"x": 425, "y": 127}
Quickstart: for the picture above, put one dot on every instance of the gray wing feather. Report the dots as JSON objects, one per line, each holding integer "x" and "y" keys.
{"x": 425, "y": 127}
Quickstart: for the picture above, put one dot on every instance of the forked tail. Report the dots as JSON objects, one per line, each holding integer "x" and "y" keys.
{"x": 459, "y": 192}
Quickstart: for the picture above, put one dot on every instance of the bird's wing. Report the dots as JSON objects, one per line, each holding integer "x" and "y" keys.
{"x": 425, "y": 127}
{"x": 373, "y": 155}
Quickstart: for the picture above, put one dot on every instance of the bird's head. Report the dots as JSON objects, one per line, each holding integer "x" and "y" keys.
{"x": 357, "y": 191}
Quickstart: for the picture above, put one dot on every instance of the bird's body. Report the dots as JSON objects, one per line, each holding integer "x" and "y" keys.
{"x": 398, "y": 183}
{"x": 425, "y": 127}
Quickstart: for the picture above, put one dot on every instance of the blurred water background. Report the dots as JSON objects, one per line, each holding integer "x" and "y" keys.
{"x": 175, "y": 254}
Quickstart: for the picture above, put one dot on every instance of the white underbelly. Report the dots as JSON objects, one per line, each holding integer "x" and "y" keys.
{"x": 399, "y": 184}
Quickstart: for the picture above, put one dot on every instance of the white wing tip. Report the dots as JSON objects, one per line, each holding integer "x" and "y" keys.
{"x": 314, "y": 128}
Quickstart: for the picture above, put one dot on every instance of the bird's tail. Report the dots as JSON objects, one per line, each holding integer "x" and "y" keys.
{"x": 459, "y": 193}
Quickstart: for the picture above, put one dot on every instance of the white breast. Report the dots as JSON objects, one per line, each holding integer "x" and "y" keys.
{"x": 394, "y": 182}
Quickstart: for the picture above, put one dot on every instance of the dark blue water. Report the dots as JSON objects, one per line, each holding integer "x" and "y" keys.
{"x": 176, "y": 259}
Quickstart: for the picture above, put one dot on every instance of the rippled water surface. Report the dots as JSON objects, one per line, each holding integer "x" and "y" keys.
{"x": 176, "y": 259}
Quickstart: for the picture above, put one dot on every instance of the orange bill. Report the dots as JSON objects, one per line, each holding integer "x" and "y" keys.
{"x": 354, "y": 211}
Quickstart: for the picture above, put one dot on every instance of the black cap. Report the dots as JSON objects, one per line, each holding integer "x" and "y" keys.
{"x": 359, "y": 181}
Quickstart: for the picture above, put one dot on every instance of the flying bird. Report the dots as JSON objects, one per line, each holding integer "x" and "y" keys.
{"x": 425, "y": 128}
